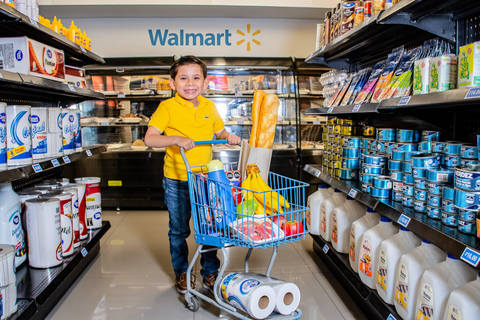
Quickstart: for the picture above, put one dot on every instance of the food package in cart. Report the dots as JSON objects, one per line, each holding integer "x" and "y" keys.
{"x": 256, "y": 229}
{"x": 201, "y": 194}
{"x": 27, "y": 56}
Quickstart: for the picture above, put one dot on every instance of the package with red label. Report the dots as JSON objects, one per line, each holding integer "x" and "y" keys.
{"x": 257, "y": 229}
{"x": 235, "y": 179}
{"x": 27, "y": 56}
{"x": 75, "y": 76}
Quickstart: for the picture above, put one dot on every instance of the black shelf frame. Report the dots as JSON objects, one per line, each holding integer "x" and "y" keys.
{"x": 446, "y": 238}
{"x": 16, "y": 24}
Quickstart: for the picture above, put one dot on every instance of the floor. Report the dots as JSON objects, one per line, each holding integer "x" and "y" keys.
{"x": 132, "y": 277}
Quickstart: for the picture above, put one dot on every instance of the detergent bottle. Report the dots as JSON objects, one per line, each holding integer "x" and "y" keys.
{"x": 409, "y": 272}
{"x": 464, "y": 302}
{"x": 391, "y": 251}
{"x": 436, "y": 285}
{"x": 220, "y": 195}
{"x": 341, "y": 224}
{"x": 326, "y": 209}
{"x": 313, "y": 213}
{"x": 368, "y": 221}
{"x": 370, "y": 250}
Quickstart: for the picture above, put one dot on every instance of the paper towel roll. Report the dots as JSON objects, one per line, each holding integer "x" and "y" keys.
{"x": 249, "y": 294}
{"x": 9, "y": 303}
{"x": 7, "y": 265}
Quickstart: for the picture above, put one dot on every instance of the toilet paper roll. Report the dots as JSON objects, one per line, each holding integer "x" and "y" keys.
{"x": 7, "y": 265}
{"x": 9, "y": 303}
{"x": 249, "y": 294}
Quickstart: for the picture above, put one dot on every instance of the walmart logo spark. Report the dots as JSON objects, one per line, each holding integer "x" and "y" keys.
{"x": 240, "y": 32}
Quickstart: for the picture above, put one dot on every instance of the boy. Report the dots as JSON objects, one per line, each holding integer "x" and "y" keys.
{"x": 186, "y": 118}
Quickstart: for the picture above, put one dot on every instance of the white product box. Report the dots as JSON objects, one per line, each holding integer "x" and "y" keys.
{"x": 27, "y": 56}
{"x": 75, "y": 76}
{"x": 443, "y": 73}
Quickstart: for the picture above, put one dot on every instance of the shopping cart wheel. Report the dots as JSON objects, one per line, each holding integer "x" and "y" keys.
{"x": 192, "y": 302}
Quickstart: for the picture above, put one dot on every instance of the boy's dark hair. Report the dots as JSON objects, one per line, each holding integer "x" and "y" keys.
{"x": 184, "y": 60}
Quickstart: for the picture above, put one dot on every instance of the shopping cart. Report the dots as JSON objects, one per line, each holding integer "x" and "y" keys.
{"x": 221, "y": 226}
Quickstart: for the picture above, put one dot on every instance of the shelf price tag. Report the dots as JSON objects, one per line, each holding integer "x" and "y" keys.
{"x": 240, "y": 122}
{"x": 121, "y": 95}
{"x": 403, "y": 220}
{"x": 473, "y": 93}
{"x": 66, "y": 159}
{"x": 316, "y": 122}
{"x": 330, "y": 110}
{"x": 404, "y": 101}
{"x": 352, "y": 193}
{"x": 105, "y": 123}
{"x": 317, "y": 173}
{"x": 34, "y": 22}
{"x": 471, "y": 257}
{"x": 1, "y": 75}
{"x": 83, "y": 49}
{"x": 37, "y": 168}
{"x": 71, "y": 87}
{"x": 325, "y": 248}
{"x": 356, "y": 108}
{"x": 391, "y": 317}
{"x": 89, "y": 153}
{"x": 84, "y": 252}
{"x": 55, "y": 163}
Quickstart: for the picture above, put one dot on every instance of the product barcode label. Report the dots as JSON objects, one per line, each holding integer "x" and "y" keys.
{"x": 471, "y": 257}
{"x": 55, "y": 163}
{"x": 391, "y": 317}
{"x": 66, "y": 159}
{"x": 317, "y": 173}
{"x": 325, "y": 248}
{"x": 37, "y": 168}
{"x": 330, "y": 110}
{"x": 403, "y": 220}
{"x": 121, "y": 95}
{"x": 71, "y": 87}
{"x": 404, "y": 101}
{"x": 356, "y": 108}
{"x": 84, "y": 252}
{"x": 352, "y": 193}
{"x": 89, "y": 153}
{"x": 442, "y": 177}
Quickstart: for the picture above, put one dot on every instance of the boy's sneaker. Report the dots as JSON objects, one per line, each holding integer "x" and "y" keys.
{"x": 209, "y": 281}
{"x": 181, "y": 282}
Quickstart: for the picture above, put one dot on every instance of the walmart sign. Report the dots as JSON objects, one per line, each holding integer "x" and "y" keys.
{"x": 168, "y": 38}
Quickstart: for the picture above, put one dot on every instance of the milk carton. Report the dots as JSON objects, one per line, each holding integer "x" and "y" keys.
{"x": 469, "y": 65}
{"x": 313, "y": 203}
{"x": 368, "y": 221}
{"x": 464, "y": 301}
{"x": 342, "y": 219}
{"x": 326, "y": 209}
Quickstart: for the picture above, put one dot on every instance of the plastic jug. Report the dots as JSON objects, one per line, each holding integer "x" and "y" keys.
{"x": 437, "y": 283}
{"x": 313, "y": 203}
{"x": 326, "y": 209}
{"x": 357, "y": 230}
{"x": 331, "y": 190}
{"x": 370, "y": 250}
{"x": 409, "y": 272}
{"x": 391, "y": 250}
{"x": 342, "y": 219}
{"x": 220, "y": 195}
{"x": 11, "y": 231}
{"x": 464, "y": 302}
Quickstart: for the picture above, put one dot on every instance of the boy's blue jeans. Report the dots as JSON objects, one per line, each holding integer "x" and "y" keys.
{"x": 177, "y": 199}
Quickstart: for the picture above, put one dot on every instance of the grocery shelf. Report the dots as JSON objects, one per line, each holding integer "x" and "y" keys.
{"x": 367, "y": 299}
{"x": 446, "y": 238}
{"x": 116, "y": 124}
{"x": 359, "y": 108}
{"x": 16, "y": 24}
{"x": 42, "y": 289}
{"x": 22, "y": 87}
{"x": 22, "y": 172}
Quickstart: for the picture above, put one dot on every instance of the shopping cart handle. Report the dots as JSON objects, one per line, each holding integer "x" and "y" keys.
{"x": 198, "y": 143}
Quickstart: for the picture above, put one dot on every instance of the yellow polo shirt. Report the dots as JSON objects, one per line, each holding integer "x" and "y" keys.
{"x": 178, "y": 117}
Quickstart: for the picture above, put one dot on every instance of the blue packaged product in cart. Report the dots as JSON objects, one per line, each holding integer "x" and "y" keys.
{"x": 220, "y": 195}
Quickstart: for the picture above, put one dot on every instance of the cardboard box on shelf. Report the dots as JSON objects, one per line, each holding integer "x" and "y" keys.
{"x": 75, "y": 76}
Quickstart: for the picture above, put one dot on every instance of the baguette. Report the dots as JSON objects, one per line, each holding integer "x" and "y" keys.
{"x": 268, "y": 121}
{"x": 258, "y": 98}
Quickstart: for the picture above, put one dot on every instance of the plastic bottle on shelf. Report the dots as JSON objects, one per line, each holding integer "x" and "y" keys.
{"x": 341, "y": 224}
{"x": 11, "y": 231}
{"x": 410, "y": 269}
{"x": 331, "y": 190}
{"x": 436, "y": 285}
{"x": 314, "y": 202}
{"x": 464, "y": 302}
{"x": 391, "y": 250}
{"x": 368, "y": 221}
{"x": 370, "y": 250}
{"x": 72, "y": 32}
{"x": 326, "y": 209}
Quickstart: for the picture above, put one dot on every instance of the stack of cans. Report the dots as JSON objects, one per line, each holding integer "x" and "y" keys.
{"x": 350, "y": 157}
{"x": 421, "y": 163}
{"x": 467, "y": 196}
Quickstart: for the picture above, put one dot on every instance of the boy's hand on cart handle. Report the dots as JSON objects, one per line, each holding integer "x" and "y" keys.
{"x": 233, "y": 140}
{"x": 185, "y": 143}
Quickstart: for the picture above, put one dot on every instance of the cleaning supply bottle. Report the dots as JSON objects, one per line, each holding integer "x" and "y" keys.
{"x": 464, "y": 302}
{"x": 391, "y": 251}
{"x": 437, "y": 283}
{"x": 368, "y": 221}
{"x": 409, "y": 272}
{"x": 313, "y": 203}
{"x": 11, "y": 231}
{"x": 342, "y": 219}
{"x": 220, "y": 195}
{"x": 326, "y": 209}
{"x": 370, "y": 250}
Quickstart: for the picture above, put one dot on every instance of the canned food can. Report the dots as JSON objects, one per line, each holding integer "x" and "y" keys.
{"x": 453, "y": 148}
{"x": 406, "y": 135}
{"x": 406, "y": 146}
{"x": 469, "y": 151}
{"x": 396, "y": 176}
{"x": 408, "y": 179}
{"x": 366, "y": 187}
{"x": 336, "y": 173}
{"x": 331, "y": 137}
{"x": 434, "y": 200}
{"x": 452, "y": 161}
{"x": 330, "y": 171}
{"x": 440, "y": 175}
{"x": 347, "y": 130}
{"x": 467, "y": 177}
{"x": 448, "y": 192}
{"x": 408, "y": 201}
{"x": 359, "y": 15}
{"x": 421, "y": 184}
{"x": 407, "y": 166}
{"x": 373, "y": 145}
{"x": 93, "y": 214}
{"x": 352, "y": 142}
{"x": 394, "y": 165}
{"x": 467, "y": 227}
{"x": 324, "y": 136}
{"x": 420, "y": 206}
{"x": 75, "y": 214}
{"x": 351, "y": 163}
{"x": 380, "y": 193}
{"x": 375, "y": 170}
{"x": 364, "y": 143}
{"x": 425, "y": 146}
{"x": 336, "y": 139}
{"x": 347, "y": 174}
{"x": 397, "y": 197}
{"x": 398, "y": 155}
{"x": 408, "y": 190}
{"x": 385, "y": 146}
{"x": 348, "y": 122}
{"x": 367, "y": 9}
{"x": 426, "y": 160}
{"x": 382, "y": 182}
{"x": 466, "y": 199}
{"x": 364, "y": 151}
{"x": 434, "y": 212}
{"x": 368, "y": 131}
{"x": 336, "y": 157}
{"x": 386, "y": 134}
{"x": 428, "y": 135}
{"x": 467, "y": 215}
{"x": 435, "y": 188}
{"x": 447, "y": 206}
{"x": 351, "y": 153}
{"x": 438, "y": 146}
{"x": 336, "y": 164}
{"x": 468, "y": 162}
{"x": 419, "y": 173}
{"x": 337, "y": 129}
{"x": 375, "y": 160}
{"x": 367, "y": 178}
{"x": 408, "y": 155}
{"x": 420, "y": 194}
{"x": 332, "y": 121}
{"x": 449, "y": 219}
{"x": 398, "y": 187}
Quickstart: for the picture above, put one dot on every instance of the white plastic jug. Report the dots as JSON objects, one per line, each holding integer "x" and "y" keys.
{"x": 326, "y": 209}
{"x": 464, "y": 302}
{"x": 11, "y": 231}
{"x": 409, "y": 272}
{"x": 331, "y": 190}
{"x": 391, "y": 250}
{"x": 437, "y": 283}
{"x": 357, "y": 230}
{"x": 370, "y": 250}
{"x": 313, "y": 203}
{"x": 341, "y": 224}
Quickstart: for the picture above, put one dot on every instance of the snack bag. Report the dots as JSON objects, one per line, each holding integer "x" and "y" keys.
{"x": 366, "y": 93}
{"x": 392, "y": 63}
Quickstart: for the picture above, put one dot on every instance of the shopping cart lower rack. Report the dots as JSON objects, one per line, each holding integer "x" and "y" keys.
{"x": 263, "y": 219}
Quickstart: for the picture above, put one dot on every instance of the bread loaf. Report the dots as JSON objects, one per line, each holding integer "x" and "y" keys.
{"x": 267, "y": 121}
{"x": 138, "y": 143}
{"x": 258, "y": 98}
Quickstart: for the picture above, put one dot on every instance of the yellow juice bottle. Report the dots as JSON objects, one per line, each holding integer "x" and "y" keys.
{"x": 72, "y": 32}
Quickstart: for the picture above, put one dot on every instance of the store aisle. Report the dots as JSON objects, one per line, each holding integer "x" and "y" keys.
{"x": 132, "y": 277}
